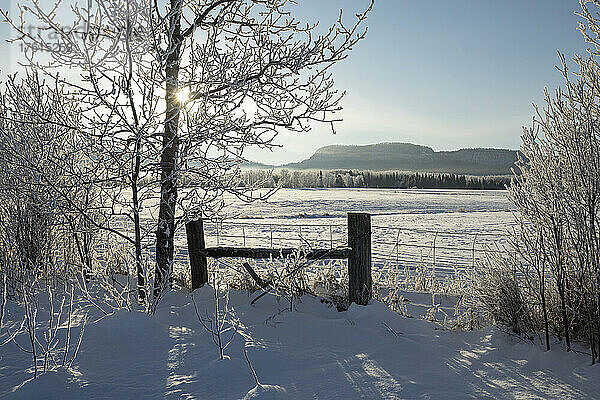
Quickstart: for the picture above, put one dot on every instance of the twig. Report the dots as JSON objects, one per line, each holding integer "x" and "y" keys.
{"x": 68, "y": 332}
{"x": 78, "y": 342}
{"x": 252, "y": 368}
{"x": 393, "y": 331}
{"x": 4, "y": 289}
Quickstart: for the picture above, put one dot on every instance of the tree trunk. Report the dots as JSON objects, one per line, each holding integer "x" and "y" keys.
{"x": 138, "y": 238}
{"x": 598, "y": 325}
{"x": 563, "y": 304}
{"x": 562, "y": 279}
{"x": 168, "y": 159}
{"x": 544, "y": 309}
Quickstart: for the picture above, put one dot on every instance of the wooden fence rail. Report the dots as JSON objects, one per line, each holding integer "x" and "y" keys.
{"x": 358, "y": 255}
{"x": 264, "y": 253}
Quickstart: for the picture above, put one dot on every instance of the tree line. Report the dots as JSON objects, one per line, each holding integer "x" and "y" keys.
{"x": 369, "y": 179}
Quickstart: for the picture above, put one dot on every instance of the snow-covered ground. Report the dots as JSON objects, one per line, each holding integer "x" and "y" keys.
{"x": 313, "y": 352}
{"x": 327, "y": 203}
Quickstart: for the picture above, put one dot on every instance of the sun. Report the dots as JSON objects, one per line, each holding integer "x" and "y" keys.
{"x": 183, "y": 94}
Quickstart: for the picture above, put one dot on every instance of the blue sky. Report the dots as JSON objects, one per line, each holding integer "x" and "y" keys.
{"x": 447, "y": 74}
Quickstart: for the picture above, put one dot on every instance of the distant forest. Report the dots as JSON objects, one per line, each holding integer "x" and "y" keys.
{"x": 369, "y": 179}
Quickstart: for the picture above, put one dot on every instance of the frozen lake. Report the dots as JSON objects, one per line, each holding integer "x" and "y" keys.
{"x": 448, "y": 229}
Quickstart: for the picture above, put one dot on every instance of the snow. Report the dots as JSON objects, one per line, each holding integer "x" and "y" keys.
{"x": 328, "y": 203}
{"x": 266, "y": 392}
{"x": 315, "y": 351}
{"x": 312, "y": 352}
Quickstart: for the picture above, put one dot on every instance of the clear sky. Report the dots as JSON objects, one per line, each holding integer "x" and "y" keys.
{"x": 446, "y": 74}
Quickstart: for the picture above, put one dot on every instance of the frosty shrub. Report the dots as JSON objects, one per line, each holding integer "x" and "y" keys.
{"x": 52, "y": 327}
{"x": 391, "y": 286}
{"x": 499, "y": 291}
{"x": 221, "y": 323}
{"x": 288, "y": 278}
{"x": 35, "y": 238}
{"x": 330, "y": 280}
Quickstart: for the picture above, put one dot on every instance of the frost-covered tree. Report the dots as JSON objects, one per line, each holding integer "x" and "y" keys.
{"x": 177, "y": 90}
{"x": 558, "y": 196}
{"x": 35, "y": 153}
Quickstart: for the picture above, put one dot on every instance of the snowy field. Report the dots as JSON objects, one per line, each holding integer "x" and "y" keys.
{"x": 443, "y": 230}
{"x": 313, "y": 352}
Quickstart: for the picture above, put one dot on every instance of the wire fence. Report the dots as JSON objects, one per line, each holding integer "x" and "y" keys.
{"x": 444, "y": 252}
{"x": 395, "y": 250}
{"x": 277, "y": 235}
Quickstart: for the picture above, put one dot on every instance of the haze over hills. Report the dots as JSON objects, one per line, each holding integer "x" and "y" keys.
{"x": 407, "y": 157}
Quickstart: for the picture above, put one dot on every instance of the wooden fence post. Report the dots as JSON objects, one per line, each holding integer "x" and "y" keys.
{"x": 359, "y": 263}
{"x": 196, "y": 246}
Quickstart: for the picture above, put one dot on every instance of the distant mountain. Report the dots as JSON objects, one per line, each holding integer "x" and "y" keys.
{"x": 409, "y": 157}
{"x": 256, "y": 165}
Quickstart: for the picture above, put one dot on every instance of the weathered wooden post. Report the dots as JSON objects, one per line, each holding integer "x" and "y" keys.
{"x": 196, "y": 246}
{"x": 359, "y": 262}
